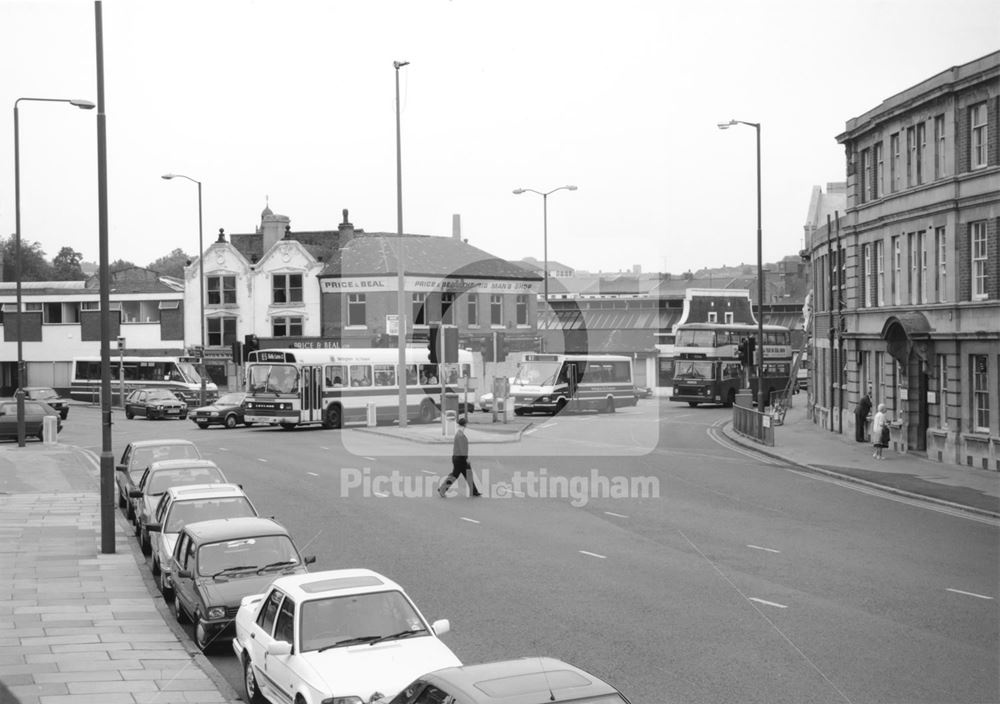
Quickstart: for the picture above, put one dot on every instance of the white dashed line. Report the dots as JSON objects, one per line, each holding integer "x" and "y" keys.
{"x": 261, "y": 459}
{"x": 593, "y": 554}
{"x": 758, "y": 547}
{"x": 312, "y": 474}
{"x": 427, "y": 471}
{"x": 529, "y": 432}
{"x": 370, "y": 459}
{"x": 380, "y": 495}
{"x": 616, "y": 515}
{"x": 323, "y": 448}
{"x": 978, "y": 596}
{"x": 767, "y": 603}
{"x": 470, "y": 520}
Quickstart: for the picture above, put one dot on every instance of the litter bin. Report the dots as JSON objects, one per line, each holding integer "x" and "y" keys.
{"x": 450, "y": 402}
{"x": 50, "y": 430}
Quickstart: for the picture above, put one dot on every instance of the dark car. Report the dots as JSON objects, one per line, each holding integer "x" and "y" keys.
{"x": 48, "y": 395}
{"x": 138, "y": 455}
{"x": 226, "y": 411}
{"x": 537, "y": 680}
{"x": 154, "y": 403}
{"x": 34, "y": 418}
{"x": 216, "y": 563}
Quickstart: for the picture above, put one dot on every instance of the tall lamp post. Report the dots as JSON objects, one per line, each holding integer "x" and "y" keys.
{"x": 21, "y": 376}
{"x": 400, "y": 256}
{"x": 761, "y": 400}
{"x": 201, "y": 281}
{"x": 545, "y": 227}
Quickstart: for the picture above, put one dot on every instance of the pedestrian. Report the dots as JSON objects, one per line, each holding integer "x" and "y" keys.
{"x": 459, "y": 462}
{"x": 880, "y": 432}
{"x": 861, "y": 412}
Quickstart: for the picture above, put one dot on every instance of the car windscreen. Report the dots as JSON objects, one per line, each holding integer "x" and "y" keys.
{"x": 191, "y": 510}
{"x": 163, "y": 479}
{"x": 142, "y": 457}
{"x": 230, "y": 400}
{"x": 253, "y": 553}
{"x": 42, "y": 394}
{"x": 347, "y": 619}
{"x": 155, "y": 396}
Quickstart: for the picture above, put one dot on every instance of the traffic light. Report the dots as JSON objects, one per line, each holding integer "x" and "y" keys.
{"x": 743, "y": 350}
{"x": 450, "y": 344}
{"x": 486, "y": 346}
{"x": 751, "y": 348}
{"x": 501, "y": 346}
{"x": 250, "y": 344}
{"x": 433, "y": 335}
{"x": 237, "y": 351}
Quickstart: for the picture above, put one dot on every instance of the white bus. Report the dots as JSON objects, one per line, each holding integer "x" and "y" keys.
{"x": 548, "y": 383}
{"x": 330, "y": 387}
{"x": 174, "y": 373}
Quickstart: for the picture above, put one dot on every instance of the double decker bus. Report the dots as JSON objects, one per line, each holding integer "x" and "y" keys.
{"x": 330, "y": 387}
{"x": 178, "y": 374}
{"x": 708, "y": 367}
{"x": 548, "y": 383}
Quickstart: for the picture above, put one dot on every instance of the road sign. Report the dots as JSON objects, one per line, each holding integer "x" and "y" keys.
{"x": 391, "y": 324}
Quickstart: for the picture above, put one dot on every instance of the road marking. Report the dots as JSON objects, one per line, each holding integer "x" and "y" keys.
{"x": 312, "y": 474}
{"x": 616, "y": 515}
{"x": 381, "y": 495}
{"x": 978, "y": 596}
{"x": 529, "y": 432}
{"x": 592, "y": 554}
{"x": 323, "y": 448}
{"x": 261, "y": 459}
{"x": 470, "y": 520}
{"x": 758, "y": 547}
{"x": 767, "y": 603}
{"x": 427, "y": 471}
{"x": 549, "y": 424}
{"x": 223, "y": 449}
{"x": 370, "y": 459}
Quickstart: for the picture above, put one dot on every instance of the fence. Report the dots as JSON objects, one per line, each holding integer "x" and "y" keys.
{"x": 754, "y": 425}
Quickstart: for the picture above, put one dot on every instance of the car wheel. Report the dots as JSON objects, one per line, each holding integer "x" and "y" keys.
{"x": 167, "y": 592}
{"x": 122, "y": 503}
{"x": 184, "y": 416}
{"x": 231, "y": 420}
{"x": 144, "y": 544}
{"x": 693, "y": 404}
{"x": 201, "y": 637}
{"x": 178, "y": 610}
{"x": 64, "y": 414}
{"x": 202, "y": 425}
{"x": 247, "y": 425}
{"x": 250, "y": 689}
{"x": 129, "y": 414}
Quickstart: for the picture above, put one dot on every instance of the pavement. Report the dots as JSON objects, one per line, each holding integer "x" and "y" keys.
{"x": 79, "y": 626}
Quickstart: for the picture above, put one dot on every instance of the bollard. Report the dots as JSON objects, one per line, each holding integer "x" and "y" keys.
{"x": 450, "y": 422}
{"x": 50, "y": 430}
{"x": 372, "y": 419}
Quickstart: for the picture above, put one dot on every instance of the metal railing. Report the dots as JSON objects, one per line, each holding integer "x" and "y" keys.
{"x": 754, "y": 425}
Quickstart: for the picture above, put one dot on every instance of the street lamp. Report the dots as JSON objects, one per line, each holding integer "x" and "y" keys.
{"x": 761, "y": 401}
{"x": 21, "y": 376}
{"x": 400, "y": 279}
{"x": 201, "y": 280}
{"x": 545, "y": 226}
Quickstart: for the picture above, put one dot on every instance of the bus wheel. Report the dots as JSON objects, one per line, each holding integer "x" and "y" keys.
{"x": 693, "y": 404}
{"x": 560, "y": 405}
{"x": 730, "y": 398}
{"x": 287, "y": 426}
{"x": 609, "y": 405}
{"x": 333, "y": 418}
{"x": 427, "y": 411}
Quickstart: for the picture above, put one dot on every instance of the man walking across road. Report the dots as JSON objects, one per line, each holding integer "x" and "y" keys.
{"x": 459, "y": 462}
{"x": 861, "y": 412}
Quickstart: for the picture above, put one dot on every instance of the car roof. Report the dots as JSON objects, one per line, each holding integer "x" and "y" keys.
{"x": 163, "y": 441}
{"x": 182, "y": 463}
{"x": 529, "y": 680}
{"x": 232, "y": 529}
{"x": 193, "y": 492}
{"x": 38, "y": 388}
{"x": 315, "y": 585}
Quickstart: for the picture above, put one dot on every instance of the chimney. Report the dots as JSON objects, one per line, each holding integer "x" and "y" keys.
{"x": 273, "y": 228}
{"x": 345, "y": 230}
{"x": 456, "y": 226}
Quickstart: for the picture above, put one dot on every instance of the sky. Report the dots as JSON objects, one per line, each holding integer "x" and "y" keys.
{"x": 291, "y": 104}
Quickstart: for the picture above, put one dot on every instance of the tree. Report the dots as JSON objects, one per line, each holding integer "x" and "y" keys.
{"x": 66, "y": 265}
{"x": 119, "y": 265}
{"x": 171, "y": 264}
{"x": 34, "y": 267}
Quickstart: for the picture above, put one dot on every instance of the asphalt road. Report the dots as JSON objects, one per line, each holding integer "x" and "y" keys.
{"x": 741, "y": 580}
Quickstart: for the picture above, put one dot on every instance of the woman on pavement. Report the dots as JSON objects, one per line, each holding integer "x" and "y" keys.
{"x": 880, "y": 432}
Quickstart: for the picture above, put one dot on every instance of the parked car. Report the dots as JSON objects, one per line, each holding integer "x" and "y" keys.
{"x": 537, "y": 680}
{"x": 159, "y": 477}
{"x": 34, "y": 418}
{"x": 155, "y": 403}
{"x": 217, "y": 563}
{"x": 226, "y": 411}
{"x": 138, "y": 455}
{"x": 48, "y": 395}
{"x": 181, "y": 505}
{"x": 317, "y": 634}
{"x": 643, "y": 392}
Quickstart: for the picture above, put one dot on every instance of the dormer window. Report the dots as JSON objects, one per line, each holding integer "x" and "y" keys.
{"x": 286, "y": 288}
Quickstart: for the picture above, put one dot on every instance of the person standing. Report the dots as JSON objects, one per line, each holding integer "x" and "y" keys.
{"x": 459, "y": 462}
{"x": 880, "y": 432}
{"x": 861, "y": 412}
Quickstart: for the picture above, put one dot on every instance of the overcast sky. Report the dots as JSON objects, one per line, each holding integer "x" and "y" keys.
{"x": 292, "y": 103}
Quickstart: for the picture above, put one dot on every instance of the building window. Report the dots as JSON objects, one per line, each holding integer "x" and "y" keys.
{"x": 980, "y": 274}
{"x": 866, "y": 278}
{"x": 728, "y": 317}
{"x": 922, "y": 244}
{"x": 866, "y": 175}
{"x": 942, "y": 375}
{"x": 978, "y": 129}
{"x": 897, "y": 270}
{"x": 521, "y": 309}
{"x": 879, "y": 379}
{"x": 921, "y": 151}
{"x": 980, "y": 394}
{"x": 418, "y": 304}
{"x": 713, "y": 317}
{"x": 940, "y": 281}
{"x": 878, "y": 184}
{"x": 913, "y": 273}
{"x": 880, "y": 272}
{"x": 894, "y": 164}
{"x": 221, "y": 290}
{"x": 221, "y": 331}
{"x": 911, "y": 154}
{"x": 472, "y": 309}
{"x": 496, "y": 309}
{"x": 286, "y": 327}
{"x": 287, "y": 288}
{"x": 356, "y": 309}
{"x": 447, "y": 314}
{"x": 939, "y": 144}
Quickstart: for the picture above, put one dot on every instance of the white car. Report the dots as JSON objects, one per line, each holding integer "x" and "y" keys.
{"x": 346, "y": 636}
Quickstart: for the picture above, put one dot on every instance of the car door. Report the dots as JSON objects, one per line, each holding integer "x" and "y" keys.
{"x": 279, "y": 669}
{"x": 184, "y": 559}
{"x": 141, "y": 407}
{"x": 260, "y": 636}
